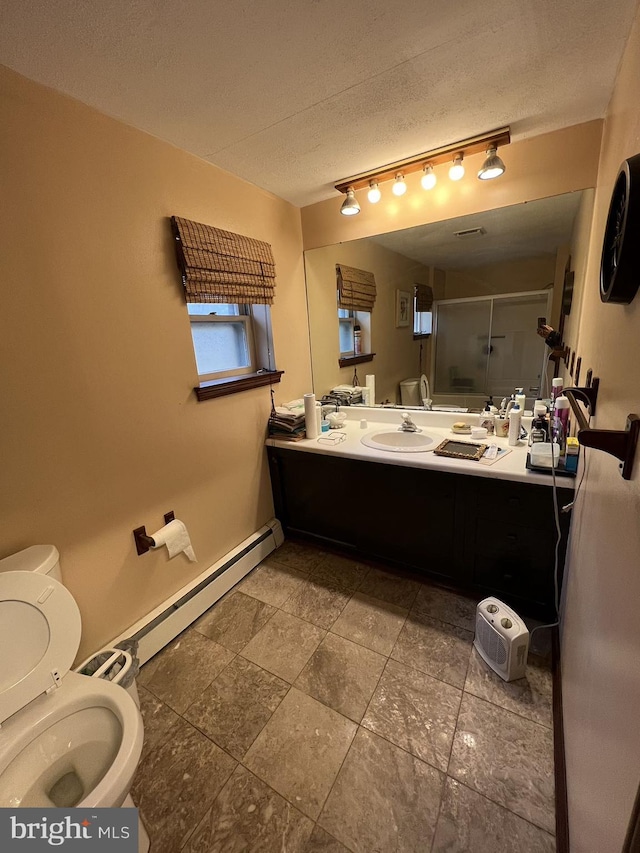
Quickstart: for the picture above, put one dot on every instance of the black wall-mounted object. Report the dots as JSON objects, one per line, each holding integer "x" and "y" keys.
{"x": 620, "y": 261}
{"x": 143, "y": 542}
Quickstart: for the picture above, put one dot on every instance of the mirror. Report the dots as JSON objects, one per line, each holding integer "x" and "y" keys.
{"x": 520, "y": 249}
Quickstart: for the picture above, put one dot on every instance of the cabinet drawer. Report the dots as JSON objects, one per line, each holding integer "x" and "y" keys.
{"x": 528, "y": 505}
{"x": 511, "y": 541}
{"x": 535, "y": 584}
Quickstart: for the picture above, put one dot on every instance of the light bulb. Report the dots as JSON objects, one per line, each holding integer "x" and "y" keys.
{"x": 399, "y": 186}
{"x": 350, "y": 205}
{"x": 492, "y": 167}
{"x": 374, "y": 195}
{"x": 428, "y": 180}
{"x": 457, "y": 170}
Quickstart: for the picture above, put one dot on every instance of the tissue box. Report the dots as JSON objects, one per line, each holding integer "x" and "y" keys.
{"x": 541, "y": 454}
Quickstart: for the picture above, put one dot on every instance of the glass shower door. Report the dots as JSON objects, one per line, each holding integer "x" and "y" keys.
{"x": 462, "y": 339}
{"x": 516, "y": 350}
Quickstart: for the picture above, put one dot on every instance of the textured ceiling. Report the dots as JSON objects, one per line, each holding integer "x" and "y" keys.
{"x": 511, "y": 233}
{"x": 294, "y": 96}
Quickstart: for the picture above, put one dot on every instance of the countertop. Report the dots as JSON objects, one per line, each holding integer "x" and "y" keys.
{"x": 510, "y": 467}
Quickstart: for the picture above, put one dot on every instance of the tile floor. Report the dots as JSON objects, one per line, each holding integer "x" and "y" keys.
{"x": 329, "y": 705}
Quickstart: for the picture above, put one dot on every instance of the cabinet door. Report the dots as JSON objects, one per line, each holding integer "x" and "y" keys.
{"x": 312, "y": 494}
{"x": 409, "y": 516}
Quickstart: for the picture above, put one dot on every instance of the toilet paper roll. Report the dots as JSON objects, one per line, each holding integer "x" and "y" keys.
{"x": 176, "y": 537}
{"x": 370, "y": 381}
{"x": 310, "y": 417}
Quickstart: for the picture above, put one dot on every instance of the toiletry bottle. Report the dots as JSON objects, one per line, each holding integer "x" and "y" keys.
{"x": 357, "y": 340}
{"x": 521, "y": 399}
{"x": 539, "y": 425}
{"x": 487, "y": 419}
{"x": 515, "y": 419}
{"x": 561, "y": 422}
{"x": 557, "y": 385}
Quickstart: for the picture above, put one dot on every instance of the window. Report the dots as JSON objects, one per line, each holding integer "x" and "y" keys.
{"x": 229, "y": 284}
{"x": 422, "y": 322}
{"x": 222, "y": 339}
{"x": 422, "y": 305}
{"x": 350, "y": 325}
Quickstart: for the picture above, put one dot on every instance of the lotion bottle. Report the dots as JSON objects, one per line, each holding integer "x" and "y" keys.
{"x": 515, "y": 419}
{"x": 561, "y": 422}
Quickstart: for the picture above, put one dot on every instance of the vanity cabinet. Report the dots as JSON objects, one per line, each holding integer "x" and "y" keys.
{"x": 481, "y": 535}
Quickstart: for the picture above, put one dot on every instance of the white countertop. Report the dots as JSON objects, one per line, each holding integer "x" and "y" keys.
{"x": 510, "y": 467}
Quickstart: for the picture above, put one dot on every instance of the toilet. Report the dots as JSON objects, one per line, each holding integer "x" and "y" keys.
{"x": 66, "y": 739}
{"x": 414, "y": 391}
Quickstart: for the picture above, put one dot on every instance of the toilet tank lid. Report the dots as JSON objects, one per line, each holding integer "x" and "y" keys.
{"x": 37, "y": 558}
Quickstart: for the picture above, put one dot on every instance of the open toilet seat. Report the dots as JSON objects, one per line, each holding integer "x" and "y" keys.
{"x": 65, "y": 739}
{"x": 32, "y": 735}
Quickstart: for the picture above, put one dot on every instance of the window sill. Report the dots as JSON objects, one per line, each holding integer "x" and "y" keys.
{"x": 419, "y": 337}
{"x": 348, "y": 360}
{"x": 236, "y": 384}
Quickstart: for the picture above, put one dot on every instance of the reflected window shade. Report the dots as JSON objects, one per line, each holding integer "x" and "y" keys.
{"x": 424, "y": 297}
{"x": 220, "y": 266}
{"x": 356, "y": 288}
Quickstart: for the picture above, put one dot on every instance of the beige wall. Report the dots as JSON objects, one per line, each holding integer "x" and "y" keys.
{"x": 507, "y": 277}
{"x": 579, "y": 258}
{"x": 601, "y": 626}
{"x": 100, "y": 428}
{"x": 397, "y": 354}
{"x": 538, "y": 167}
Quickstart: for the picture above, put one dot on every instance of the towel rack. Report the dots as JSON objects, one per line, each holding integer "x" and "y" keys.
{"x": 620, "y": 443}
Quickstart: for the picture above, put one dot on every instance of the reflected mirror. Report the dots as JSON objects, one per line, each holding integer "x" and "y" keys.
{"x": 492, "y": 274}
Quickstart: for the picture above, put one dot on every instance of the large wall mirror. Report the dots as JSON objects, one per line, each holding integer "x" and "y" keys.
{"x": 492, "y": 275}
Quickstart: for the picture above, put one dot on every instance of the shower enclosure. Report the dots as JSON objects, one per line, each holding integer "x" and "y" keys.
{"x": 488, "y": 345}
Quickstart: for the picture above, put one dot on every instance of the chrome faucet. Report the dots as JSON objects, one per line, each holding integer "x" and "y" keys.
{"x": 407, "y": 424}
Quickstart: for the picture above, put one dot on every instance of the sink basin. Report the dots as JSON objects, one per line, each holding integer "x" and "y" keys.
{"x": 398, "y": 441}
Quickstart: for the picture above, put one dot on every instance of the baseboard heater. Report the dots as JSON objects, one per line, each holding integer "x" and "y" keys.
{"x": 158, "y": 628}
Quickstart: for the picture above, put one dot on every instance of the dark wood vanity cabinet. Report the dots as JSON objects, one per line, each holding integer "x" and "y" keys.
{"x": 480, "y": 535}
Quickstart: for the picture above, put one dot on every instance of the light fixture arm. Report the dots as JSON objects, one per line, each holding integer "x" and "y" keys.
{"x": 473, "y": 145}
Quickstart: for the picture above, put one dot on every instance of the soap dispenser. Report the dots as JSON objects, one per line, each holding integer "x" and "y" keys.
{"x": 487, "y": 419}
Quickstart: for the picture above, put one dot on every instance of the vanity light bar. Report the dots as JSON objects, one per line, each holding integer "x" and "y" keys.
{"x": 446, "y": 154}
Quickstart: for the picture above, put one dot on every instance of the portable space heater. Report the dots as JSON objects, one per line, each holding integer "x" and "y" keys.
{"x": 502, "y": 639}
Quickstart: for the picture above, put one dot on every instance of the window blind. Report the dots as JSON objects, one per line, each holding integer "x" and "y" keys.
{"x": 424, "y": 297}
{"x": 356, "y": 288}
{"x": 220, "y": 266}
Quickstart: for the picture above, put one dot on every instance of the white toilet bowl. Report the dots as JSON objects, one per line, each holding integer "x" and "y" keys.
{"x": 66, "y": 739}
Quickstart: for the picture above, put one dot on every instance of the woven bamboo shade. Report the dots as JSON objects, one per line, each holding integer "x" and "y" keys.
{"x": 424, "y": 297}
{"x": 220, "y": 266}
{"x": 356, "y": 288}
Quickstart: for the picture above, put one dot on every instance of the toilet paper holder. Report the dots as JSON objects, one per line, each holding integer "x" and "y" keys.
{"x": 143, "y": 542}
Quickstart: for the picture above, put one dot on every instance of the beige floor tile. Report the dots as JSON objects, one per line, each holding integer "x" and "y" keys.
{"x": 531, "y": 696}
{"x": 437, "y": 648}
{"x": 342, "y": 675}
{"x": 298, "y": 555}
{"x": 300, "y": 750}
{"x": 284, "y": 645}
{"x": 181, "y": 671}
{"x": 469, "y": 823}
{"x": 383, "y": 799}
{"x": 416, "y": 712}
{"x": 370, "y": 622}
{"x": 322, "y": 842}
{"x": 446, "y": 606}
{"x": 395, "y": 587}
{"x": 157, "y": 718}
{"x": 233, "y": 621}
{"x": 234, "y": 709}
{"x": 249, "y": 817}
{"x": 318, "y": 601}
{"x": 506, "y": 758}
{"x": 176, "y": 784}
{"x": 344, "y": 572}
{"x": 271, "y": 582}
